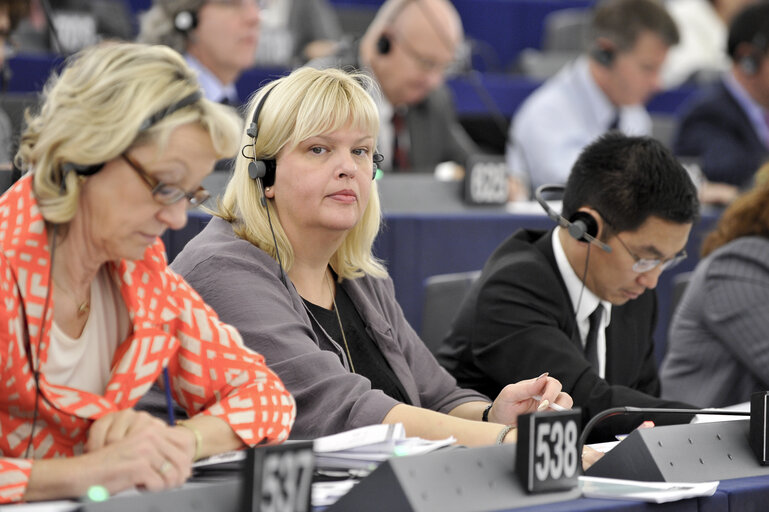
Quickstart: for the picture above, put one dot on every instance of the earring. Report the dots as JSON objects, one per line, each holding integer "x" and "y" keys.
{"x": 267, "y": 189}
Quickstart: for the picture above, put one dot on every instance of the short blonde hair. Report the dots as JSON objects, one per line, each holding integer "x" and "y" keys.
{"x": 94, "y": 110}
{"x": 304, "y": 104}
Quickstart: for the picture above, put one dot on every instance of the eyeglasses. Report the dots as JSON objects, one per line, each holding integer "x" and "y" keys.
{"x": 167, "y": 194}
{"x": 642, "y": 265}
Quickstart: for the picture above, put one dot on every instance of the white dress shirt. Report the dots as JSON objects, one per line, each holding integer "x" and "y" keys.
{"x": 213, "y": 89}
{"x": 565, "y": 114}
{"x": 583, "y": 301}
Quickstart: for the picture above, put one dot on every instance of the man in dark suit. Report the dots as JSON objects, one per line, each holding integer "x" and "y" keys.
{"x": 409, "y": 48}
{"x": 726, "y": 126}
{"x": 584, "y": 309}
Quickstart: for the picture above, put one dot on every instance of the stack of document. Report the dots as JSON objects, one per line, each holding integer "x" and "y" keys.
{"x": 366, "y": 447}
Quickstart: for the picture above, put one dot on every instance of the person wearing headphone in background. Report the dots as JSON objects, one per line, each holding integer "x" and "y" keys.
{"x": 91, "y": 314}
{"x": 409, "y": 48}
{"x": 578, "y": 301}
{"x": 287, "y": 259}
{"x": 726, "y": 126}
{"x": 218, "y": 38}
{"x": 600, "y": 91}
{"x": 11, "y": 12}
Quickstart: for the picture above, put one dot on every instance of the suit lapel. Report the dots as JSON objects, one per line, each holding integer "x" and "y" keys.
{"x": 545, "y": 245}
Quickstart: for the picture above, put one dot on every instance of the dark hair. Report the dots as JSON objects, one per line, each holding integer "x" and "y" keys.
{"x": 629, "y": 179}
{"x": 748, "y": 215}
{"x": 750, "y": 26}
{"x": 623, "y": 21}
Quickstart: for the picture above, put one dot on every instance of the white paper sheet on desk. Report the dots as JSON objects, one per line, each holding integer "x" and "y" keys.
{"x": 654, "y": 492}
{"x": 380, "y": 436}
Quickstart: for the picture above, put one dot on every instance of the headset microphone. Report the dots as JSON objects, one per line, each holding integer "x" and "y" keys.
{"x": 581, "y": 226}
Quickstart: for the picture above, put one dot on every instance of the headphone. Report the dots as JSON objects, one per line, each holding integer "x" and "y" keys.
{"x": 263, "y": 169}
{"x": 186, "y": 20}
{"x": 751, "y": 63}
{"x": 582, "y": 226}
{"x": 603, "y": 55}
{"x": 383, "y": 44}
{"x": 88, "y": 170}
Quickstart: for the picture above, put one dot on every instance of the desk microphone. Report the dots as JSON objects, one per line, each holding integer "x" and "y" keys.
{"x": 614, "y": 411}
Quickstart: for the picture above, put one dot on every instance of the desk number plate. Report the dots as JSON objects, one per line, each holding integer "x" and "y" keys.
{"x": 279, "y": 478}
{"x": 546, "y": 457}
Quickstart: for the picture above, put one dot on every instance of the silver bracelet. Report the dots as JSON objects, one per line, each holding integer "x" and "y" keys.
{"x": 503, "y": 433}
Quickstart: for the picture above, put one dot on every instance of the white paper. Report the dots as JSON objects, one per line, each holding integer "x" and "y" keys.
{"x": 654, "y": 492}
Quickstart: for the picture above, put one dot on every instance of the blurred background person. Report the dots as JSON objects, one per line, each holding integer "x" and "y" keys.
{"x": 603, "y": 90}
{"x": 77, "y": 24}
{"x": 701, "y": 53}
{"x": 409, "y": 48}
{"x": 726, "y": 125}
{"x": 11, "y": 12}
{"x": 91, "y": 313}
{"x": 218, "y": 38}
{"x": 296, "y": 31}
{"x": 717, "y": 348}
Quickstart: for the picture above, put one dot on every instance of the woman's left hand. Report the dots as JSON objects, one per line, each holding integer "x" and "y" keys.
{"x": 519, "y": 398}
{"x": 116, "y": 426}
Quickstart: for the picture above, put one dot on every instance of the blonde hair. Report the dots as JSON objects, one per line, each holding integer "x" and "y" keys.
{"x": 94, "y": 110}
{"x": 304, "y": 104}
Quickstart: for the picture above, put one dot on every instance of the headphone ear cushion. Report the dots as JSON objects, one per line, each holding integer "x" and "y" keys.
{"x": 256, "y": 169}
{"x": 582, "y": 223}
{"x": 184, "y": 21}
{"x": 604, "y": 56}
{"x": 269, "y": 172}
{"x": 383, "y": 44}
{"x": 748, "y": 65}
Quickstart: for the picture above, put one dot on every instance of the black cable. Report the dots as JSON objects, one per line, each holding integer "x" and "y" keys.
{"x": 48, "y": 12}
{"x": 28, "y": 343}
{"x": 274, "y": 238}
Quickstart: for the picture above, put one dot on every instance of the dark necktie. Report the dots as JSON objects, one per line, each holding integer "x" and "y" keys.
{"x": 614, "y": 125}
{"x": 400, "y": 143}
{"x": 591, "y": 343}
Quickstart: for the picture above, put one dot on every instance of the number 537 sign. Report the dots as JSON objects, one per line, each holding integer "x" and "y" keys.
{"x": 546, "y": 455}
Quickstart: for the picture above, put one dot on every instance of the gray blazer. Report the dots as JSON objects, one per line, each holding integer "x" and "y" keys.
{"x": 242, "y": 283}
{"x": 718, "y": 346}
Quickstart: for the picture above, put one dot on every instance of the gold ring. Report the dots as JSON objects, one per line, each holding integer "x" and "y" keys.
{"x": 165, "y": 467}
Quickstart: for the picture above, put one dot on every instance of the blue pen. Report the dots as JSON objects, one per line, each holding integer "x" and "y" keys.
{"x": 169, "y": 400}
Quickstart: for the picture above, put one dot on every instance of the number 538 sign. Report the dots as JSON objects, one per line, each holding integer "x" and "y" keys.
{"x": 546, "y": 455}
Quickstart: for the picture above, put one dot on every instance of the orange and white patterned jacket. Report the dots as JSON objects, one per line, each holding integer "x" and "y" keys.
{"x": 211, "y": 371}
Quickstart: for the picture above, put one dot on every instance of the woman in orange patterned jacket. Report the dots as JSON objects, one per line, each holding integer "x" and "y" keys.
{"x": 90, "y": 314}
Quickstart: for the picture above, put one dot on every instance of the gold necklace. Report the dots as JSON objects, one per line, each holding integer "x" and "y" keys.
{"x": 339, "y": 320}
{"x": 82, "y": 308}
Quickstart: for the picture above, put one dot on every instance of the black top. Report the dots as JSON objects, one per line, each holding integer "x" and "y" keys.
{"x": 364, "y": 353}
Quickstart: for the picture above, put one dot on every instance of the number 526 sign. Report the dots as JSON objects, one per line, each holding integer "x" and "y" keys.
{"x": 546, "y": 455}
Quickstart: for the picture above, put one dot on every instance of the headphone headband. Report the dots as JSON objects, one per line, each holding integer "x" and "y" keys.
{"x": 88, "y": 170}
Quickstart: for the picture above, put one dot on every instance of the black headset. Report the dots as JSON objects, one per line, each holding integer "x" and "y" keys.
{"x": 603, "y": 56}
{"x": 581, "y": 225}
{"x": 88, "y": 170}
{"x": 751, "y": 63}
{"x": 383, "y": 44}
{"x": 263, "y": 169}
{"x": 185, "y": 20}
